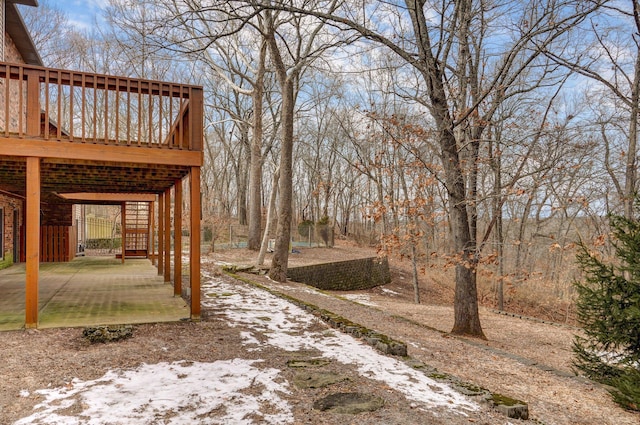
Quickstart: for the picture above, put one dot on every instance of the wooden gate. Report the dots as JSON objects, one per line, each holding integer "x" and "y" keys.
{"x": 136, "y": 243}
{"x": 56, "y": 244}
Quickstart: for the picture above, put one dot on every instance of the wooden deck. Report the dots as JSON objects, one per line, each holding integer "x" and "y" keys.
{"x": 67, "y": 134}
{"x": 93, "y": 108}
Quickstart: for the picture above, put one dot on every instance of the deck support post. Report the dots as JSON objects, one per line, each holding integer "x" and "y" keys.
{"x": 151, "y": 248}
{"x": 167, "y": 236}
{"x": 160, "y": 234}
{"x": 194, "y": 241}
{"x": 32, "y": 242}
{"x": 177, "y": 239}
{"x": 123, "y": 226}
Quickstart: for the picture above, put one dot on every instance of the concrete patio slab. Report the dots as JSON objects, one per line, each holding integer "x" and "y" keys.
{"x": 91, "y": 291}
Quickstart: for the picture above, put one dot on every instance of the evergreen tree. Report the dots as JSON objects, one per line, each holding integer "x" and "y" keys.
{"x": 608, "y": 308}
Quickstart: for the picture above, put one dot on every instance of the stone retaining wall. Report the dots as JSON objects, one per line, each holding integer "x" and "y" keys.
{"x": 349, "y": 275}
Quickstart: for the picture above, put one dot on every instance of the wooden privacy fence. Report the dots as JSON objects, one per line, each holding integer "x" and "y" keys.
{"x": 57, "y": 244}
{"x": 60, "y": 105}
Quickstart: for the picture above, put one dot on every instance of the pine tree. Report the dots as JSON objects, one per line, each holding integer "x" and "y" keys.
{"x": 608, "y": 307}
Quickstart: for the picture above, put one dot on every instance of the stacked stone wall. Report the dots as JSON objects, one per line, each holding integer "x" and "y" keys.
{"x": 349, "y": 275}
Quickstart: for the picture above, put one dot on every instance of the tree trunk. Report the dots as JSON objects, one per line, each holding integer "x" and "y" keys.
{"x": 270, "y": 210}
{"x": 242, "y": 177}
{"x": 631, "y": 173}
{"x": 278, "y": 271}
{"x": 255, "y": 173}
{"x": 467, "y": 318}
{"x": 465, "y": 306}
{"x": 496, "y": 166}
{"x": 414, "y": 264}
{"x": 279, "y": 262}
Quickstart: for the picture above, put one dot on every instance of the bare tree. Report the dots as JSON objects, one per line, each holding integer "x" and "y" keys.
{"x": 302, "y": 39}
{"x": 53, "y": 34}
{"x": 448, "y": 46}
{"x": 188, "y": 29}
{"x": 612, "y": 58}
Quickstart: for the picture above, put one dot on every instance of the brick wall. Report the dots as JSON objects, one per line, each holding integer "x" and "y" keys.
{"x": 363, "y": 273}
{"x": 11, "y": 53}
{"x": 57, "y": 215}
{"x": 10, "y": 206}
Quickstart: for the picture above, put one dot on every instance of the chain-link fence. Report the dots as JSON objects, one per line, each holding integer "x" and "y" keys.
{"x": 230, "y": 236}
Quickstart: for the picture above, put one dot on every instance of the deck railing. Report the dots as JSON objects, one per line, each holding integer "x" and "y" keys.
{"x": 80, "y": 107}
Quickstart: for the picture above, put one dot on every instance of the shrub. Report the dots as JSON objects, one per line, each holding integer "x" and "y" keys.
{"x": 608, "y": 307}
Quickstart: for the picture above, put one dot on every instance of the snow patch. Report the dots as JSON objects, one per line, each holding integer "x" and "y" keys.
{"x": 287, "y": 329}
{"x": 170, "y": 393}
{"x": 360, "y": 299}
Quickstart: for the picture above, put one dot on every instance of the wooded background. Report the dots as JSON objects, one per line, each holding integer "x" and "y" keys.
{"x": 483, "y": 136}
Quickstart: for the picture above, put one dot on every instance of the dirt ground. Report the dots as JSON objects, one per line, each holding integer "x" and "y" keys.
{"x": 524, "y": 359}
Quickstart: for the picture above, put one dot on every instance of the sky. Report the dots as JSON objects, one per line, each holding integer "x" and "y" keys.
{"x": 126, "y": 396}
{"x": 81, "y": 13}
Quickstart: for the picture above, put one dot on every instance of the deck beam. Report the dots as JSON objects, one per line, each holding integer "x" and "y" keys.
{"x": 13, "y": 146}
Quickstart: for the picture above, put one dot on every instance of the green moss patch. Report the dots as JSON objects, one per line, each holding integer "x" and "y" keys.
{"x": 499, "y": 399}
{"x": 302, "y": 363}
{"x": 104, "y": 334}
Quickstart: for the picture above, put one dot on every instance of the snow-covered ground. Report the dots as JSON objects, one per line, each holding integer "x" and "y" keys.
{"x": 183, "y": 392}
{"x": 360, "y": 299}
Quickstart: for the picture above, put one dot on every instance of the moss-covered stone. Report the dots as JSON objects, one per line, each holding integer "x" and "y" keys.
{"x": 103, "y": 334}
{"x": 510, "y": 407}
{"x": 301, "y": 363}
{"x": 317, "y": 379}
{"x": 349, "y": 403}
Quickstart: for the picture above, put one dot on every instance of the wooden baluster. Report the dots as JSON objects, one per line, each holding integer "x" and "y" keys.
{"x": 196, "y": 110}
{"x": 83, "y": 118}
{"x": 71, "y": 76}
{"x": 47, "y": 77}
{"x": 117, "y": 123}
{"x": 33, "y": 102}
